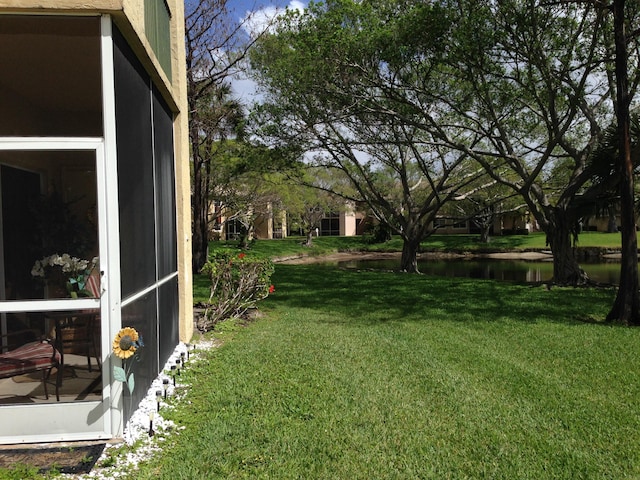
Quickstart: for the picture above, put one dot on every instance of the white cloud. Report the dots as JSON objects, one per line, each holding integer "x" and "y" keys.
{"x": 254, "y": 23}
{"x": 259, "y": 20}
{"x": 245, "y": 90}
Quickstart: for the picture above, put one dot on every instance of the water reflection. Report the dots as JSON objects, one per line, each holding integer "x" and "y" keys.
{"x": 509, "y": 270}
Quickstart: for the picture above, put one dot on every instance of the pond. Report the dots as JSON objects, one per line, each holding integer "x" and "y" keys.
{"x": 487, "y": 268}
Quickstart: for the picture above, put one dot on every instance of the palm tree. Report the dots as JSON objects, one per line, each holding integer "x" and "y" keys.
{"x": 216, "y": 118}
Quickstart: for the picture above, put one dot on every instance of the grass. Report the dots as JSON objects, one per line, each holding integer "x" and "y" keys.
{"x": 516, "y": 242}
{"x": 365, "y": 375}
{"x": 381, "y": 375}
{"x": 292, "y": 246}
{"x": 323, "y": 245}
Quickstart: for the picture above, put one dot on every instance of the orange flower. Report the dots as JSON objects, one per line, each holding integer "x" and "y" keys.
{"x": 126, "y": 343}
{"x": 241, "y": 256}
{"x": 272, "y": 288}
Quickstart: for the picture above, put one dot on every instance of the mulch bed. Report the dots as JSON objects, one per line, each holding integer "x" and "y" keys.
{"x": 63, "y": 459}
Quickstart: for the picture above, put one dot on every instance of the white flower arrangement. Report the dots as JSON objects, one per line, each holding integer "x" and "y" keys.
{"x": 74, "y": 270}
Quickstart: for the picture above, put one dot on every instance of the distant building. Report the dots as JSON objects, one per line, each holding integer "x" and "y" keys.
{"x": 513, "y": 223}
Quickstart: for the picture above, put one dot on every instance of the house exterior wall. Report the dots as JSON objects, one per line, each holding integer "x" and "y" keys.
{"x": 512, "y": 223}
{"x": 263, "y": 225}
{"x": 602, "y": 224}
{"x": 130, "y": 19}
{"x": 450, "y": 229}
{"x": 347, "y": 224}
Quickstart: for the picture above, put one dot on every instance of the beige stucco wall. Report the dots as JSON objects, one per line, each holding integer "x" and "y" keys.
{"x": 347, "y": 224}
{"x": 129, "y": 17}
{"x": 183, "y": 174}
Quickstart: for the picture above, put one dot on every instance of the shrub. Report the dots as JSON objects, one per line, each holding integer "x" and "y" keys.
{"x": 238, "y": 283}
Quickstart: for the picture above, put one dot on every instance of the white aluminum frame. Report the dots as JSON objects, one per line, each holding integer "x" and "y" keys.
{"x": 78, "y": 420}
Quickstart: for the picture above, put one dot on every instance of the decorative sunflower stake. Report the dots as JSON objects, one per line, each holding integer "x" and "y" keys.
{"x": 124, "y": 346}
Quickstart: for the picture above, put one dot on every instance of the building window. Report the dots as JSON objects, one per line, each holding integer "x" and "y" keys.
{"x": 233, "y": 230}
{"x": 460, "y": 225}
{"x": 439, "y": 223}
{"x": 330, "y": 225}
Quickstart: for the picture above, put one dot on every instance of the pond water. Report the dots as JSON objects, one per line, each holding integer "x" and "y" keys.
{"x": 510, "y": 270}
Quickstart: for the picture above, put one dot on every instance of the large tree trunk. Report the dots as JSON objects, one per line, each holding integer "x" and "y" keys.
{"x": 560, "y": 232}
{"x": 626, "y": 308}
{"x": 199, "y": 240}
{"x": 409, "y": 259}
{"x": 612, "y": 226}
{"x": 309, "y": 241}
{"x": 199, "y": 234}
{"x": 566, "y": 270}
{"x": 485, "y": 233}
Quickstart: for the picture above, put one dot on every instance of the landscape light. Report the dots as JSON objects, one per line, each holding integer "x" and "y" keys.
{"x": 165, "y": 385}
{"x": 151, "y": 415}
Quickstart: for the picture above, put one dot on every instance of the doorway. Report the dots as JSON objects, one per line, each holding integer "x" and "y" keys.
{"x": 52, "y": 262}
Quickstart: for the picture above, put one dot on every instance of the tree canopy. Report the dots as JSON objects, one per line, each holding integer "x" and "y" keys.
{"x": 437, "y": 94}
{"x": 331, "y": 77}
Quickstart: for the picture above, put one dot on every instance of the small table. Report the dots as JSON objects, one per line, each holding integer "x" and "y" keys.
{"x": 77, "y": 334}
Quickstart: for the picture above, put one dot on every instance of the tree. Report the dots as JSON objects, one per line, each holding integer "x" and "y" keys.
{"x": 521, "y": 86}
{"x": 484, "y": 204}
{"x": 626, "y": 308}
{"x": 306, "y": 195}
{"x": 220, "y": 117}
{"x": 242, "y": 181}
{"x": 328, "y": 74}
{"x": 216, "y": 48}
{"x": 529, "y": 91}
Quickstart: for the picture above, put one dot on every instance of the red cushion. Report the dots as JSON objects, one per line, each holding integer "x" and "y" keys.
{"x": 28, "y": 358}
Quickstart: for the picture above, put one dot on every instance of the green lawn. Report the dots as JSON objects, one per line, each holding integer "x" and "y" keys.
{"x": 376, "y": 375}
{"x": 292, "y": 246}
{"x": 323, "y": 245}
{"x": 371, "y": 375}
{"x": 516, "y": 242}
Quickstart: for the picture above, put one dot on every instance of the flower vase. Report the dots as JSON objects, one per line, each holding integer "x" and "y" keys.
{"x": 55, "y": 290}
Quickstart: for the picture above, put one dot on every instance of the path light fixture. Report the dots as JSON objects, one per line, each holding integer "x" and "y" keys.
{"x": 158, "y": 397}
{"x": 182, "y": 355}
{"x": 173, "y": 374}
{"x": 151, "y": 415}
{"x": 165, "y": 386}
{"x": 178, "y": 367}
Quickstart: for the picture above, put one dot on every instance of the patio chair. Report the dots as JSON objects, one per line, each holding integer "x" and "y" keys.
{"x": 34, "y": 356}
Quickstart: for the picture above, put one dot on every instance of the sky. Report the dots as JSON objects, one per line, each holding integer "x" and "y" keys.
{"x": 262, "y": 10}
{"x": 243, "y": 6}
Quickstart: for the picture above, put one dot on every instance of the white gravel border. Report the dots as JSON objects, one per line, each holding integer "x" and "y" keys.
{"x": 137, "y": 445}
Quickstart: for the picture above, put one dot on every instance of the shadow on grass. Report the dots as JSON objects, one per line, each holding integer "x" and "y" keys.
{"x": 373, "y": 297}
